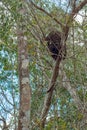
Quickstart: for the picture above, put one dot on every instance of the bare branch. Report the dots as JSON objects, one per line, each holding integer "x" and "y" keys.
{"x": 79, "y": 7}
{"x": 39, "y": 8}
{"x": 72, "y": 91}
{"x": 48, "y": 98}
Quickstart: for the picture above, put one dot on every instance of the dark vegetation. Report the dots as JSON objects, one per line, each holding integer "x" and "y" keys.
{"x": 55, "y": 45}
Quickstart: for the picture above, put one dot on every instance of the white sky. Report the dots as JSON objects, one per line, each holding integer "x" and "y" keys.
{"x": 79, "y": 18}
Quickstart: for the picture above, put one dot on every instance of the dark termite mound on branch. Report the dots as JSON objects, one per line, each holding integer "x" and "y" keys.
{"x": 55, "y": 46}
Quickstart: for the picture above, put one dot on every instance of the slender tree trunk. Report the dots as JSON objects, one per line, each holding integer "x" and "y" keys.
{"x": 47, "y": 101}
{"x": 23, "y": 63}
{"x": 24, "y": 110}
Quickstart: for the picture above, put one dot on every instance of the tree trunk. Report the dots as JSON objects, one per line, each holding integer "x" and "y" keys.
{"x": 23, "y": 63}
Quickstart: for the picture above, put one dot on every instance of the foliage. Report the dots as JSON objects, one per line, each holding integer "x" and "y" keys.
{"x": 63, "y": 113}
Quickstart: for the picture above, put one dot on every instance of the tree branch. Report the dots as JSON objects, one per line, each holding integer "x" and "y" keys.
{"x": 71, "y": 90}
{"x": 79, "y": 7}
{"x": 51, "y": 87}
{"x": 39, "y": 8}
{"x": 70, "y": 19}
{"x": 48, "y": 97}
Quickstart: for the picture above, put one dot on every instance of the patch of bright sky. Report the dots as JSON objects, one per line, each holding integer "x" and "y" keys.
{"x": 79, "y": 18}
{"x": 62, "y": 4}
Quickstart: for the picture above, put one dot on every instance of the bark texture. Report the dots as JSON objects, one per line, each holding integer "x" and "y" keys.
{"x": 23, "y": 65}
{"x": 23, "y": 61}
